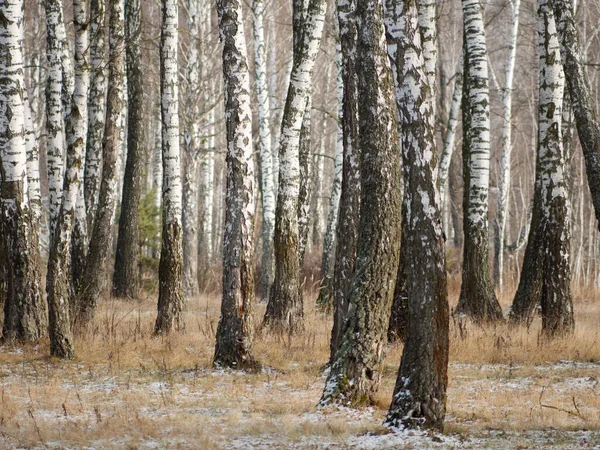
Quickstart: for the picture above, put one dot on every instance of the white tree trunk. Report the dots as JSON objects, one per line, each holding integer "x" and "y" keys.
{"x": 505, "y": 161}
{"x": 96, "y": 109}
{"x": 264, "y": 148}
{"x": 170, "y": 299}
{"x": 25, "y": 314}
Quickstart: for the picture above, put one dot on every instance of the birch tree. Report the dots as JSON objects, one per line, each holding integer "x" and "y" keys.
{"x": 420, "y": 393}
{"x": 170, "y": 295}
{"x": 77, "y": 132}
{"x": 125, "y": 278}
{"x": 505, "y": 161}
{"x": 192, "y": 138}
{"x": 264, "y": 148}
{"x": 588, "y": 127}
{"x": 546, "y": 275}
{"x": 285, "y": 310}
{"x": 356, "y": 369}
{"x": 347, "y": 228}
{"x": 477, "y": 298}
{"x": 24, "y": 308}
{"x": 96, "y": 109}
{"x": 55, "y": 114}
{"x": 234, "y": 333}
{"x": 101, "y": 237}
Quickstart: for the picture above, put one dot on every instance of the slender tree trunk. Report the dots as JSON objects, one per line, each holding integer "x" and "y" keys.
{"x": 306, "y": 163}
{"x": 170, "y": 296}
{"x": 548, "y": 284}
{"x": 77, "y": 132}
{"x": 356, "y": 370}
{"x": 96, "y": 110}
{"x": 329, "y": 240}
{"x": 101, "y": 237}
{"x": 419, "y": 399}
{"x": 125, "y": 278}
{"x": 347, "y": 227}
{"x": 264, "y": 148}
{"x": 586, "y": 118}
{"x": 477, "y": 298}
{"x": 285, "y": 312}
{"x": 505, "y": 163}
{"x": 234, "y": 333}
{"x": 25, "y": 312}
{"x": 55, "y": 126}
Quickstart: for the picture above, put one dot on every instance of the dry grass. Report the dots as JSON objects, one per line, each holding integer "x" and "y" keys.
{"x": 127, "y": 389}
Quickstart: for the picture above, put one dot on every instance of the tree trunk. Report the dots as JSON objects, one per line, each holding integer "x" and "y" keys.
{"x": 548, "y": 274}
{"x": 125, "y": 278}
{"x": 329, "y": 240}
{"x": 25, "y": 312}
{"x": 234, "y": 333}
{"x": 77, "y": 133}
{"x": 347, "y": 228}
{"x": 356, "y": 370}
{"x": 264, "y": 148}
{"x": 101, "y": 237}
{"x": 505, "y": 163}
{"x": 419, "y": 399}
{"x": 96, "y": 110}
{"x": 170, "y": 295}
{"x": 586, "y": 119}
{"x": 285, "y": 312}
{"x": 477, "y": 298}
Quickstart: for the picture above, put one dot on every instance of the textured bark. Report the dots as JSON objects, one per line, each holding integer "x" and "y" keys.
{"x": 356, "y": 370}
{"x": 477, "y": 298}
{"x": 586, "y": 118}
{"x": 101, "y": 237}
{"x": 24, "y": 309}
{"x": 77, "y": 133}
{"x": 419, "y": 399}
{"x": 234, "y": 333}
{"x": 329, "y": 240}
{"x": 285, "y": 312}
{"x": 304, "y": 196}
{"x": 170, "y": 295}
{"x": 264, "y": 148}
{"x": 96, "y": 110}
{"x": 450, "y": 134}
{"x": 55, "y": 91}
{"x": 125, "y": 278}
{"x": 347, "y": 228}
{"x": 505, "y": 162}
{"x": 546, "y": 275}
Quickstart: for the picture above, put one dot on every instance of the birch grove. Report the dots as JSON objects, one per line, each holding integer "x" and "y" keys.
{"x": 301, "y": 154}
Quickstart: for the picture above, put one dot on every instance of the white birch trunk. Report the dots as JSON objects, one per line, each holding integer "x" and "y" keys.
{"x": 170, "y": 300}
{"x": 55, "y": 126}
{"x": 25, "y": 314}
{"x": 96, "y": 109}
{"x": 264, "y": 148}
{"x": 284, "y": 310}
{"x": 505, "y": 161}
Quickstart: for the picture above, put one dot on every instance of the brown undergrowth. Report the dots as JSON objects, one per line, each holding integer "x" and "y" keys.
{"x": 128, "y": 389}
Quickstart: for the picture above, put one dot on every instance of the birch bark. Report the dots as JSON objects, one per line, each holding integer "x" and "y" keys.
{"x": 505, "y": 161}
{"x": 356, "y": 369}
{"x": 285, "y": 310}
{"x": 96, "y": 109}
{"x": 234, "y": 333}
{"x": 420, "y": 393}
{"x": 125, "y": 278}
{"x": 24, "y": 309}
{"x": 264, "y": 148}
{"x": 101, "y": 237}
{"x": 477, "y": 298}
{"x": 170, "y": 297}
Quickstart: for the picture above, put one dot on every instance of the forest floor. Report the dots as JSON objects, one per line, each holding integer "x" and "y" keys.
{"x": 125, "y": 389}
